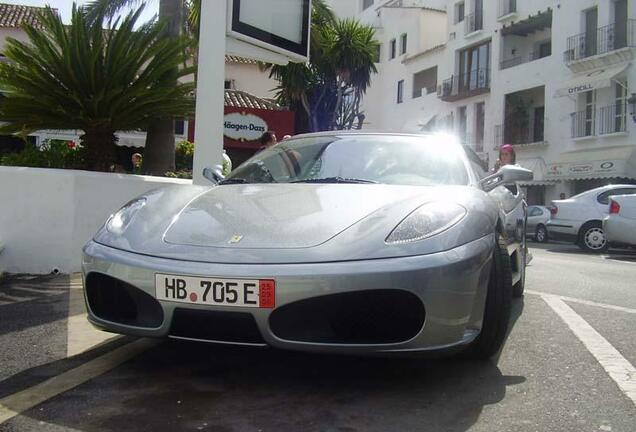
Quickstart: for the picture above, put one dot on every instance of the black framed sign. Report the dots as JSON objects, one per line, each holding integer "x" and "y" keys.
{"x": 281, "y": 26}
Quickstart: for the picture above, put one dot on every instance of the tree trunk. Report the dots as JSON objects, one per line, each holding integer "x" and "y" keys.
{"x": 339, "y": 96}
{"x": 159, "y": 154}
{"x": 99, "y": 149}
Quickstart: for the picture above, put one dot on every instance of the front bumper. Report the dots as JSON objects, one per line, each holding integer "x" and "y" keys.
{"x": 451, "y": 286}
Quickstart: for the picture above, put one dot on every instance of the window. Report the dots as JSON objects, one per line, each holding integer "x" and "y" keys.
{"x": 425, "y": 80}
{"x": 378, "y": 53}
{"x": 229, "y": 84}
{"x": 403, "y": 41}
{"x": 535, "y": 211}
{"x": 366, "y": 4}
{"x": 620, "y": 106}
{"x": 179, "y": 127}
{"x": 539, "y": 124}
{"x": 373, "y": 158}
{"x": 459, "y": 12}
{"x": 544, "y": 49}
{"x": 480, "y": 125}
{"x": 605, "y": 196}
{"x": 591, "y": 32}
{"x": 590, "y": 112}
{"x": 400, "y": 91}
{"x": 474, "y": 67}
{"x": 392, "y": 49}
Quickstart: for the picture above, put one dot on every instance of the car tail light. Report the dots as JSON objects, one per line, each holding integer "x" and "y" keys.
{"x": 614, "y": 207}
{"x": 554, "y": 210}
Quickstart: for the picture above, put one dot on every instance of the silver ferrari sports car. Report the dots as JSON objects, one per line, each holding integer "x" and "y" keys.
{"x": 354, "y": 243}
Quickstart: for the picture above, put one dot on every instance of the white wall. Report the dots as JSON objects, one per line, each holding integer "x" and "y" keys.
{"x": 249, "y": 78}
{"x": 15, "y": 33}
{"x": 46, "y": 216}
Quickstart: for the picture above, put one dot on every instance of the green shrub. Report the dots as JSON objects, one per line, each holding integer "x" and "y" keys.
{"x": 52, "y": 154}
{"x": 184, "y": 157}
{"x": 182, "y": 174}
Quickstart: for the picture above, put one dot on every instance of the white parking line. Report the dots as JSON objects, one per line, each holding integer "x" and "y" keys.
{"x": 618, "y": 367}
{"x": 20, "y": 402}
{"x": 585, "y": 302}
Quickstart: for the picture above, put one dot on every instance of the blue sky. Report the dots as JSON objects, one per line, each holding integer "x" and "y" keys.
{"x": 65, "y": 6}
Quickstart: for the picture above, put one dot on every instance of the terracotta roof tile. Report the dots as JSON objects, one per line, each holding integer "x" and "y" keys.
{"x": 241, "y": 99}
{"x": 14, "y": 16}
{"x": 239, "y": 60}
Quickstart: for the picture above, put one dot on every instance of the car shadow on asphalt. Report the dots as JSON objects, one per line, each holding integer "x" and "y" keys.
{"x": 185, "y": 385}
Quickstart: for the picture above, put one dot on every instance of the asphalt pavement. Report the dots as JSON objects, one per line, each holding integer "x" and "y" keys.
{"x": 568, "y": 365}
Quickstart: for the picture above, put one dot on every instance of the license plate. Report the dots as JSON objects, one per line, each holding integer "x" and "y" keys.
{"x": 254, "y": 293}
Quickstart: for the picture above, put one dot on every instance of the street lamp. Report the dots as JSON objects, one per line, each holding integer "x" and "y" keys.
{"x": 632, "y": 106}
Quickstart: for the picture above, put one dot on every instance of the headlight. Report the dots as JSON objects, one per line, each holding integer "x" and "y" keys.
{"x": 118, "y": 222}
{"x": 427, "y": 221}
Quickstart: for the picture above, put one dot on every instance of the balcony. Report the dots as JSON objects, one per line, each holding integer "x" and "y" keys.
{"x": 603, "y": 41}
{"x": 525, "y": 136}
{"x": 474, "y": 22}
{"x": 516, "y": 61}
{"x": 463, "y": 86}
{"x": 506, "y": 8}
{"x": 598, "y": 122}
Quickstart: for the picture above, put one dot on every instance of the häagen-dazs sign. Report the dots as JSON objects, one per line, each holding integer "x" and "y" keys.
{"x": 244, "y": 127}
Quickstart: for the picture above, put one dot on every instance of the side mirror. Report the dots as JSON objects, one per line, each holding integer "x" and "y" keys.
{"x": 508, "y": 174}
{"x": 214, "y": 174}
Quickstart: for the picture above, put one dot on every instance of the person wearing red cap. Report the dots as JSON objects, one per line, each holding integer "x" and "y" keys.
{"x": 507, "y": 156}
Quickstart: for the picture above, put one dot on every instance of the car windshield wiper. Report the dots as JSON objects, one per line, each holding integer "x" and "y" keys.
{"x": 233, "y": 181}
{"x": 335, "y": 180}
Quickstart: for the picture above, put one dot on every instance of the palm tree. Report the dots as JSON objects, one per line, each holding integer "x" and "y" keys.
{"x": 159, "y": 155}
{"x": 350, "y": 50}
{"x": 98, "y": 81}
{"x": 342, "y": 62}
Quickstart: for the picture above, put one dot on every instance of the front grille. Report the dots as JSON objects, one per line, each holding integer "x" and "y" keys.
{"x": 237, "y": 327}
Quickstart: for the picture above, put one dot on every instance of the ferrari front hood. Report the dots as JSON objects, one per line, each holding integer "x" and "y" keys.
{"x": 280, "y": 216}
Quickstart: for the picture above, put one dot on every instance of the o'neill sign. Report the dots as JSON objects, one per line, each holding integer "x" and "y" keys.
{"x": 244, "y": 127}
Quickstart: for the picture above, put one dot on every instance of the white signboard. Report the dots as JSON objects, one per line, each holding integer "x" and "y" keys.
{"x": 604, "y": 168}
{"x": 244, "y": 127}
{"x": 281, "y": 26}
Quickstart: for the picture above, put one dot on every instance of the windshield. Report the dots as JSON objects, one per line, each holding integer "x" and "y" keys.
{"x": 396, "y": 160}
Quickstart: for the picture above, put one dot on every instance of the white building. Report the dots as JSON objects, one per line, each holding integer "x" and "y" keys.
{"x": 551, "y": 77}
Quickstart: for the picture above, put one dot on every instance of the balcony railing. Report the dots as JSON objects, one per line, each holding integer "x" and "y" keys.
{"x": 612, "y": 119}
{"x": 509, "y": 134}
{"x": 465, "y": 85}
{"x": 583, "y": 123}
{"x": 600, "y": 41}
{"x": 474, "y": 21}
{"x": 602, "y": 121}
{"x": 516, "y": 61}
{"x": 506, "y": 7}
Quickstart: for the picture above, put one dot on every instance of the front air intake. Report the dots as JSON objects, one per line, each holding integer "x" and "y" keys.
{"x": 119, "y": 302}
{"x": 383, "y": 316}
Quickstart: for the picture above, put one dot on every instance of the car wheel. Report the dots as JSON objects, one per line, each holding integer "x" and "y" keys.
{"x": 498, "y": 304}
{"x": 592, "y": 238}
{"x": 541, "y": 234}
